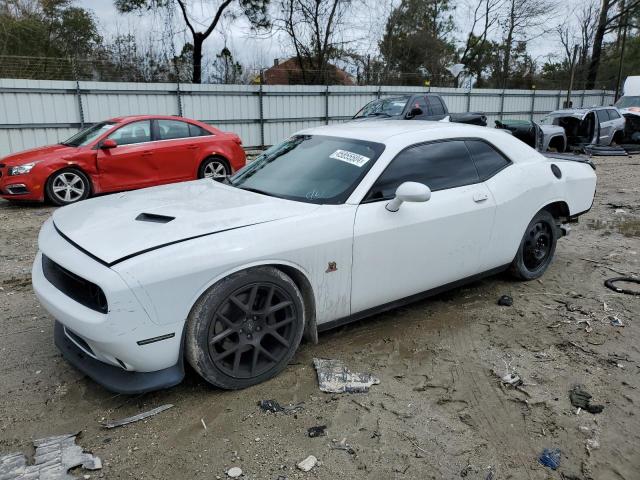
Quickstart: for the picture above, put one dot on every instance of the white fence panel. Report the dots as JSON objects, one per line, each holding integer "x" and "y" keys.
{"x": 39, "y": 112}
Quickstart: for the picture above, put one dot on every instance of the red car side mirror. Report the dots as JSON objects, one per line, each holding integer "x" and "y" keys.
{"x": 108, "y": 143}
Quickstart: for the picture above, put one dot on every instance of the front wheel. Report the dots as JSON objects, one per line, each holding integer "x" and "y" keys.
{"x": 536, "y": 248}
{"x": 67, "y": 186}
{"x": 215, "y": 168}
{"x": 246, "y": 328}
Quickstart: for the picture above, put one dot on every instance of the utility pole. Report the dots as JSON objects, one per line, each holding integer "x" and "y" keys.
{"x": 573, "y": 72}
{"x": 624, "y": 40}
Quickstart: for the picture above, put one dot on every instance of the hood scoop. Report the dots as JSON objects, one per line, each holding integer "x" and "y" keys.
{"x": 154, "y": 218}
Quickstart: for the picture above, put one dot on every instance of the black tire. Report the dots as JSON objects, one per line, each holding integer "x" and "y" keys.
{"x": 216, "y": 168}
{"x": 536, "y": 248}
{"x": 67, "y": 186}
{"x": 246, "y": 328}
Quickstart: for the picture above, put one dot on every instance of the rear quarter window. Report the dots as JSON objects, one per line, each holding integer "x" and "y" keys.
{"x": 488, "y": 160}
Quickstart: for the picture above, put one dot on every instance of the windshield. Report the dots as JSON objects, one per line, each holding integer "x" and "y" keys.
{"x": 628, "y": 102}
{"x": 387, "y": 107}
{"x": 88, "y": 135}
{"x": 310, "y": 168}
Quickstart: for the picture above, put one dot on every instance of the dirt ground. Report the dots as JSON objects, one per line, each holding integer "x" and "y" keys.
{"x": 440, "y": 410}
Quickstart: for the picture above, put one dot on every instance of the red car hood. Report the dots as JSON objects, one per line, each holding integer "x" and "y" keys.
{"x": 40, "y": 153}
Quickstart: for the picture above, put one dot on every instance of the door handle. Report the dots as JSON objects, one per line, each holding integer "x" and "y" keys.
{"x": 480, "y": 197}
{"x": 147, "y": 153}
{"x": 192, "y": 147}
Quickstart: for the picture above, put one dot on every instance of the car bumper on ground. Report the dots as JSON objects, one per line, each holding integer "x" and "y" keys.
{"x": 122, "y": 348}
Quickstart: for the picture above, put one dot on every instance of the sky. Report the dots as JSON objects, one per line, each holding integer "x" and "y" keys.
{"x": 260, "y": 52}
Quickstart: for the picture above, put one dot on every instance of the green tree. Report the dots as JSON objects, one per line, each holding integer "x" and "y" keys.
{"x": 46, "y": 28}
{"x": 417, "y": 39}
{"x": 254, "y": 10}
{"x": 225, "y": 69}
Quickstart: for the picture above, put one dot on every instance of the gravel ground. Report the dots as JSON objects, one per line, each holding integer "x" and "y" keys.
{"x": 440, "y": 410}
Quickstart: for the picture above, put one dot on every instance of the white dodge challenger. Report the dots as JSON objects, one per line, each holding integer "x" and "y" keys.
{"x": 334, "y": 224}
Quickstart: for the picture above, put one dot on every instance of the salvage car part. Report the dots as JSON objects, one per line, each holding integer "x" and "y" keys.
{"x": 611, "y": 284}
{"x": 230, "y": 276}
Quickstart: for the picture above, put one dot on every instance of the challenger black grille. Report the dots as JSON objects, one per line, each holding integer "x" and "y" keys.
{"x": 82, "y": 291}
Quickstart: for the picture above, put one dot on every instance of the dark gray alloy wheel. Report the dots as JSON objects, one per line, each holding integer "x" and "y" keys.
{"x": 536, "y": 248}
{"x": 246, "y": 328}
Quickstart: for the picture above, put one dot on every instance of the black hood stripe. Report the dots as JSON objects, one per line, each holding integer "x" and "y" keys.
{"x": 150, "y": 249}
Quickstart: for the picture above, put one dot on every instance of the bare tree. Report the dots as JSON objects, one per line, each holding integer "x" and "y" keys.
{"x": 486, "y": 17}
{"x": 523, "y": 20}
{"x": 609, "y": 17}
{"x": 254, "y": 10}
{"x": 314, "y": 29}
{"x": 587, "y": 20}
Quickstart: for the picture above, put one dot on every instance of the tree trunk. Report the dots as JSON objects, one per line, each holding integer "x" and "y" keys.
{"x": 594, "y": 65}
{"x": 198, "y": 40}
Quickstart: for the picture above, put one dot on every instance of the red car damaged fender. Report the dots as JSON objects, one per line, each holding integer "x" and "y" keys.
{"x": 119, "y": 154}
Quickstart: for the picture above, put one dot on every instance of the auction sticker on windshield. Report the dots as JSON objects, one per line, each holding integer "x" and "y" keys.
{"x": 350, "y": 157}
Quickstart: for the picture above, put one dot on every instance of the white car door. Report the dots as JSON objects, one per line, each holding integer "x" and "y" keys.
{"x": 423, "y": 245}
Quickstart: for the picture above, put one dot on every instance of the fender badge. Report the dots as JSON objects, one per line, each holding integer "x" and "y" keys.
{"x": 331, "y": 267}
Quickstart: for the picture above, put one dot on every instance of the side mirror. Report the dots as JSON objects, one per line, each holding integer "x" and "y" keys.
{"x": 409, "y": 192}
{"x": 108, "y": 143}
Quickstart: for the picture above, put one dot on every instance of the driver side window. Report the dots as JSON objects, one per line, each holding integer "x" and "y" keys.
{"x": 439, "y": 166}
{"x": 136, "y": 132}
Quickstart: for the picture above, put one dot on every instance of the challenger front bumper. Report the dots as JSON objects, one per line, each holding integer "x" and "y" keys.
{"x": 114, "y": 378}
{"x": 122, "y": 349}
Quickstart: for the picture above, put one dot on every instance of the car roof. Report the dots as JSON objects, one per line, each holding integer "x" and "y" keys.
{"x": 383, "y": 130}
{"x": 130, "y": 118}
{"x": 579, "y": 110}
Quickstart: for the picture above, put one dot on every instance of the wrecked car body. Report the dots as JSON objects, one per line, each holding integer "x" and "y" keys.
{"x": 599, "y": 126}
{"x": 629, "y": 107}
{"x": 541, "y": 137}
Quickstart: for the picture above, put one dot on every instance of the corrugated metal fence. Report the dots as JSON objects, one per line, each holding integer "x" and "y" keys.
{"x": 39, "y": 112}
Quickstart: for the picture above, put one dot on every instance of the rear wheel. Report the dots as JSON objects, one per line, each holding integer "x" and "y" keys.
{"x": 536, "y": 248}
{"x": 246, "y": 328}
{"x": 214, "y": 168}
{"x": 67, "y": 186}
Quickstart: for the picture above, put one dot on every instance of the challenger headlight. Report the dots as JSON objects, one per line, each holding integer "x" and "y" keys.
{"x": 21, "y": 169}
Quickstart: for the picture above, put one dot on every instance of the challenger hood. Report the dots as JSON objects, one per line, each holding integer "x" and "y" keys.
{"x": 115, "y": 227}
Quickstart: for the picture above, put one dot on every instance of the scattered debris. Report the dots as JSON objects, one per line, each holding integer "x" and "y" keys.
{"x": 581, "y": 399}
{"x": 550, "y": 458}
{"x": 273, "y": 406}
{"x": 512, "y": 379}
{"x": 317, "y": 431}
{"x": 343, "y": 445}
{"x": 234, "y": 472}
{"x": 335, "y": 377}
{"x": 138, "y": 417}
{"x": 308, "y": 463}
{"x": 610, "y": 283}
{"x": 505, "y": 301}
{"x": 54, "y": 457}
{"x": 270, "y": 406}
{"x": 592, "y": 444}
{"x": 615, "y": 321}
{"x": 203, "y": 424}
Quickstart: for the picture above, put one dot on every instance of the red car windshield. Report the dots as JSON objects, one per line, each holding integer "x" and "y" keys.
{"x": 88, "y": 135}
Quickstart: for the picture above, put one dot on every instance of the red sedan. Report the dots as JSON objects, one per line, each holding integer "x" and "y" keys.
{"x": 121, "y": 154}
